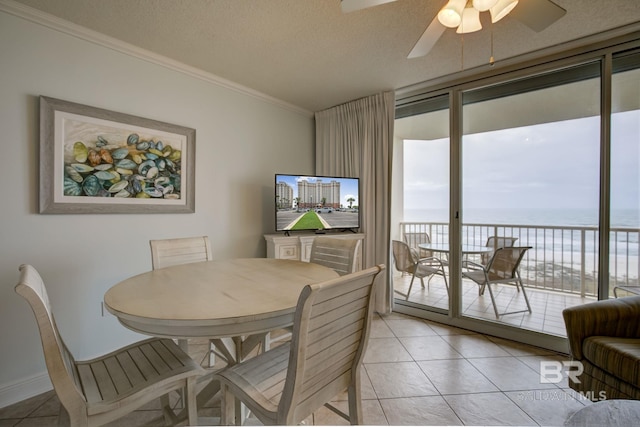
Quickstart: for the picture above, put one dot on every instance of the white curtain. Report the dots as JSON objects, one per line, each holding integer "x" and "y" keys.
{"x": 355, "y": 140}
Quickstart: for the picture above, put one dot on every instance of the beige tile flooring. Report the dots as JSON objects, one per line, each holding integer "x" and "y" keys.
{"x": 546, "y": 306}
{"x": 416, "y": 372}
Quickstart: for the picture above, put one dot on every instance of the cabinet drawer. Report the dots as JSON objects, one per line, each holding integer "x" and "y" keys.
{"x": 288, "y": 252}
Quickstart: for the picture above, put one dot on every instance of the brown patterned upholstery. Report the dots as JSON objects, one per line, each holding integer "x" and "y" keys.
{"x": 605, "y": 337}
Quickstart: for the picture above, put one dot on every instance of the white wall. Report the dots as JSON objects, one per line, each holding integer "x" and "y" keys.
{"x": 241, "y": 142}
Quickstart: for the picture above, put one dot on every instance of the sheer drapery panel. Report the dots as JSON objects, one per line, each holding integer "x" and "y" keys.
{"x": 355, "y": 140}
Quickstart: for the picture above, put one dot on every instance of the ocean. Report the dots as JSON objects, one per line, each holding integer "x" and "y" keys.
{"x": 558, "y": 236}
{"x": 620, "y": 218}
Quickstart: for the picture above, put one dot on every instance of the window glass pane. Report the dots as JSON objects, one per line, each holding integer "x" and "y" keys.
{"x": 624, "y": 246}
{"x": 530, "y": 167}
{"x": 425, "y": 218}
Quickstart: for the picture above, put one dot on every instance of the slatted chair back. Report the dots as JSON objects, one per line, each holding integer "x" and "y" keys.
{"x": 495, "y": 242}
{"x": 59, "y": 360}
{"x": 182, "y": 250}
{"x": 335, "y": 253}
{"x": 330, "y": 336}
{"x": 103, "y": 389}
{"x": 168, "y": 252}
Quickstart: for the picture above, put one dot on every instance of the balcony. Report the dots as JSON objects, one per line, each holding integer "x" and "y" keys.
{"x": 561, "y": 270}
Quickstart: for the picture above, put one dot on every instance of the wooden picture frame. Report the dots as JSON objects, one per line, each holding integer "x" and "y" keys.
{"x": 96, "y": 161}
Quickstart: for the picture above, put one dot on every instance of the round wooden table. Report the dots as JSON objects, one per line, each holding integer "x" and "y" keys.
{"x": 214, "y": 299}
{"x": 234, "y": 303}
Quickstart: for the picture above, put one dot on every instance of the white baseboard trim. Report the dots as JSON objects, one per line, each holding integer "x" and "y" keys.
{"x": 24, "y": 389}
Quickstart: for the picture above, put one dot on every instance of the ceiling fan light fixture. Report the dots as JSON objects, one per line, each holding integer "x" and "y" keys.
{"x": 502, "y": 9}
{"x": 484, "y": 5}
{"x": 470, "y": 21}
{"x": 451, "y": 14}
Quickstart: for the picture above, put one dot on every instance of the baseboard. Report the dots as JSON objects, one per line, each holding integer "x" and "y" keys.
{"x": 24, "y": 389}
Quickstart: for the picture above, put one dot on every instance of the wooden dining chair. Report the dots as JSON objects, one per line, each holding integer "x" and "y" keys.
{"x": 341, "y": 255}
{"x": 183, "y": 250}
{"x": 97, "y": 391}
{"x": 338, "y": 254}
{"x": 286, "y": 384}
{"x": 407, "y": 261}
{"x": 168, "y": 252}
{"x": 502, "y": 268}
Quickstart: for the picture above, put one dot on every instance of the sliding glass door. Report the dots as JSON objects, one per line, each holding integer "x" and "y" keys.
{"x": 624, "y": 242}
{"x": 424, "y": 137}
{"x": 530, "y": 174}
{"x": 544, "y": 158}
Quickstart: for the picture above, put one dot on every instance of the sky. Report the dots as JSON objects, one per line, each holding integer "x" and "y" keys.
{"x": 552, "y": 165}
{"x": 348, "y": 186}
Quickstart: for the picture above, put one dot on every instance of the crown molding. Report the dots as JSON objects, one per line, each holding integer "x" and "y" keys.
{"x": 41, "y": 18}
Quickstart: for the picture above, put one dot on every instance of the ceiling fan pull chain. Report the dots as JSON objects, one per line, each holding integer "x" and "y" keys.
{"x": 462, "y": 52}
{"x": 491, "y": 60}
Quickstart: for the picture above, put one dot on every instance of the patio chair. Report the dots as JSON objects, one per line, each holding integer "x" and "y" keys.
{"x": 407, "y": 261}
{"x": 183, "y": 250}
{"x": 285, "y": 385}
{"x": 496, "y": 242}
{"x": 413, "y": 239}
{"x": 630, "y": 290}
{"x": 335, "y": 253}
{"x": 502, "y": 268}
{"x": 104, "y": 389}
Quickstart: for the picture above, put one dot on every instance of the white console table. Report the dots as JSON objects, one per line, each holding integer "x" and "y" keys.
{"x": 298, "y": 246}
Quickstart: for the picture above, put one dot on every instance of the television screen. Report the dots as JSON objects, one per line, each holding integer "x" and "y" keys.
{"x": 316, "y": 203}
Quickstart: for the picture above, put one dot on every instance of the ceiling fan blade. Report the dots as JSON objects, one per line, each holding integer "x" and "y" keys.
{"x": 352, "y": 5}
{"x": 537, "y": 14}
{"x": 428, "y": 39}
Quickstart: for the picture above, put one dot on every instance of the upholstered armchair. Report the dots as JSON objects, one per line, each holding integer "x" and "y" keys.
{"x": 605, "y": 337}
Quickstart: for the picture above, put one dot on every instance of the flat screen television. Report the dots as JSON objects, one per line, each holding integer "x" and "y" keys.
{"x": 316, "y": 203}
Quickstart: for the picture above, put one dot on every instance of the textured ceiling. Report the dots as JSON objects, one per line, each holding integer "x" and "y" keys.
{"x": 310, "y": 54}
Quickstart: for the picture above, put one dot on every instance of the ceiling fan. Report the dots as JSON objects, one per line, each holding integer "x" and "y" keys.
{"x": 464, "y": 15}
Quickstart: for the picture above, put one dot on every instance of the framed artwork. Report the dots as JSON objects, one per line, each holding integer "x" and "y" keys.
{"x": 98, "y": 161}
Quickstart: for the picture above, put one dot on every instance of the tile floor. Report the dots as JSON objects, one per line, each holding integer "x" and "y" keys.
{"x": 546, "y": 306}
{"x": 416, "y": 372}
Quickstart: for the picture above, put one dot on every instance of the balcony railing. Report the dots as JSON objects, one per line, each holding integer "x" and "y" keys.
{"x": 562, "y": 259}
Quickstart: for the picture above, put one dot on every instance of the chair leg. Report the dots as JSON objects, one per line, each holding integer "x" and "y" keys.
{"x": 410, "y": 286}
{"x": 481, "y": 289}
{"x": 165, "y": 404}
{"x": 493, "y": 300}
{"x": 227, "y": 406}
{"x": 192, "y": 407}
{"x": 355, "y": 404}
{"x": 524, "y": 293}
{"x": 446, "y": 284}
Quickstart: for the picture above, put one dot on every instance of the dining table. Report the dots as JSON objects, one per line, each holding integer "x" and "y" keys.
{"x": 234, "y": 302}
{"x": 466, "y": 248}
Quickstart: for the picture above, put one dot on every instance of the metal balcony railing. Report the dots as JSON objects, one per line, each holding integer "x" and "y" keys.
{"x": 562, "y": 259}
